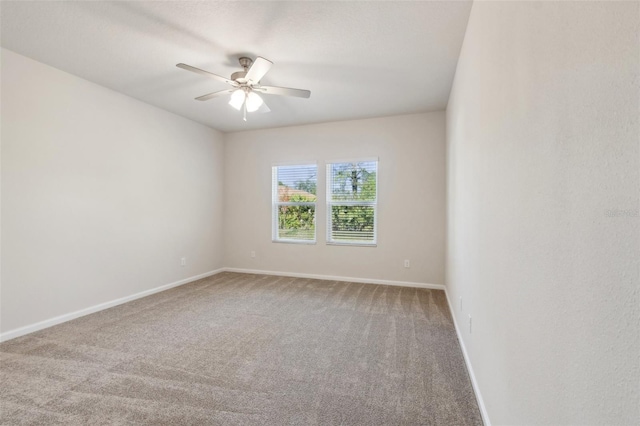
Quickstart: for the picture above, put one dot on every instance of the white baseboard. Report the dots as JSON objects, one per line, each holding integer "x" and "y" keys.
{"x": 474, "y": 382}
{"x": 336, "y": 278}
{"x": 12, "y": 334}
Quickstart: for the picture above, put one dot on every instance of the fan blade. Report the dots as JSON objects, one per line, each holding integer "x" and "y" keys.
{"x": 206, "y": 74}
{"x": 284, "y": 91}
{"x": 215, "y": 95}
{"x": 258, "y": 69}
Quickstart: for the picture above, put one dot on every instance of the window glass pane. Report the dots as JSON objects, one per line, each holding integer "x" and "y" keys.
{"x": 297, "y": 222}
{"x": 297, "y": 183}
{"x": 352, "y": 223}
{"x": 353, "y": 181}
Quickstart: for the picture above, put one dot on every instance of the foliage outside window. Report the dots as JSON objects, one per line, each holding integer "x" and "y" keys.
{"x": 352, "y": 199}
{"x": 294, "y": 203}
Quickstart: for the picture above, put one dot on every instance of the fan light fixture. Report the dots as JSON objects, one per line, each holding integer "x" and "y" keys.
{"x": 251, "y": 100}
{"x": 245, "y": 84}
{"x": 237, "y": 99}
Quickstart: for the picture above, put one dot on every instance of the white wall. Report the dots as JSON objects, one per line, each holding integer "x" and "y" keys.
{"x": 543, "y": 140}
{"x": 411, "y": 197}
{"x": 101, "y": 194}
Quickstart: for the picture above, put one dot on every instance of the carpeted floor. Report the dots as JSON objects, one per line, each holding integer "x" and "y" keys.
{"x": 239, "y": 349}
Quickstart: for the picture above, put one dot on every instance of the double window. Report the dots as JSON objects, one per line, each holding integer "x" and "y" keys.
{"x": 352, "y": 197}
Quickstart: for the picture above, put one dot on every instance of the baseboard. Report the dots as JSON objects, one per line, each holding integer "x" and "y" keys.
{"x": 474, "y": 382}
{"x": 12, "y": 334}
{"x": 336, "y": 278}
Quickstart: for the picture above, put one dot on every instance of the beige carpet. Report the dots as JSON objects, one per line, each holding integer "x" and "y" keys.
{"x": 239, "y": 349}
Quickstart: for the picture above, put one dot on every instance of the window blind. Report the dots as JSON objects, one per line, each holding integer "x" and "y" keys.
{"x": 352, "y": 198}
{"x": 294, "y": 203}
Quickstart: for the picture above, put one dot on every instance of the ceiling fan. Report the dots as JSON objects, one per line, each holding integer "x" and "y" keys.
{"x": 246, "y": 87}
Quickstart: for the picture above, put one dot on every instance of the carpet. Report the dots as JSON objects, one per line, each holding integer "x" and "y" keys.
{"x": 242, "y": 349}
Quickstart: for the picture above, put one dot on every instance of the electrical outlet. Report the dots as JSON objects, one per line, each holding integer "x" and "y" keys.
{"x": 461, "y": 303}
{"x": 253, "y": 254}
{"x": 407, "y": 264}
{"x": 183, "y": 261}
{"x": 469, "y": 324}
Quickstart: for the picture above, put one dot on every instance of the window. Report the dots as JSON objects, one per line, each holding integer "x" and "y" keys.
{"x": 352, "y": 197}
{"x": 294, "y": 203}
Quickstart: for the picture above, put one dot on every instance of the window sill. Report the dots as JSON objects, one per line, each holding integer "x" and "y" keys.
{"x": 334, "y": 243}
{"x": 294, "y": 242}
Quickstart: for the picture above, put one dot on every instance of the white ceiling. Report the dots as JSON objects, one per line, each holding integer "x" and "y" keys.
{"x": 359, "y": 59}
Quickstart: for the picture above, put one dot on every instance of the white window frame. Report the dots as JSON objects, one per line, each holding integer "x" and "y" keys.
{"x": 330, "y": 203}
{"x": 275, "y": 203}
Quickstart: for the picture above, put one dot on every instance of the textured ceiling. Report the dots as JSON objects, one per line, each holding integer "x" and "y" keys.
{"x": 359, "y": 59}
